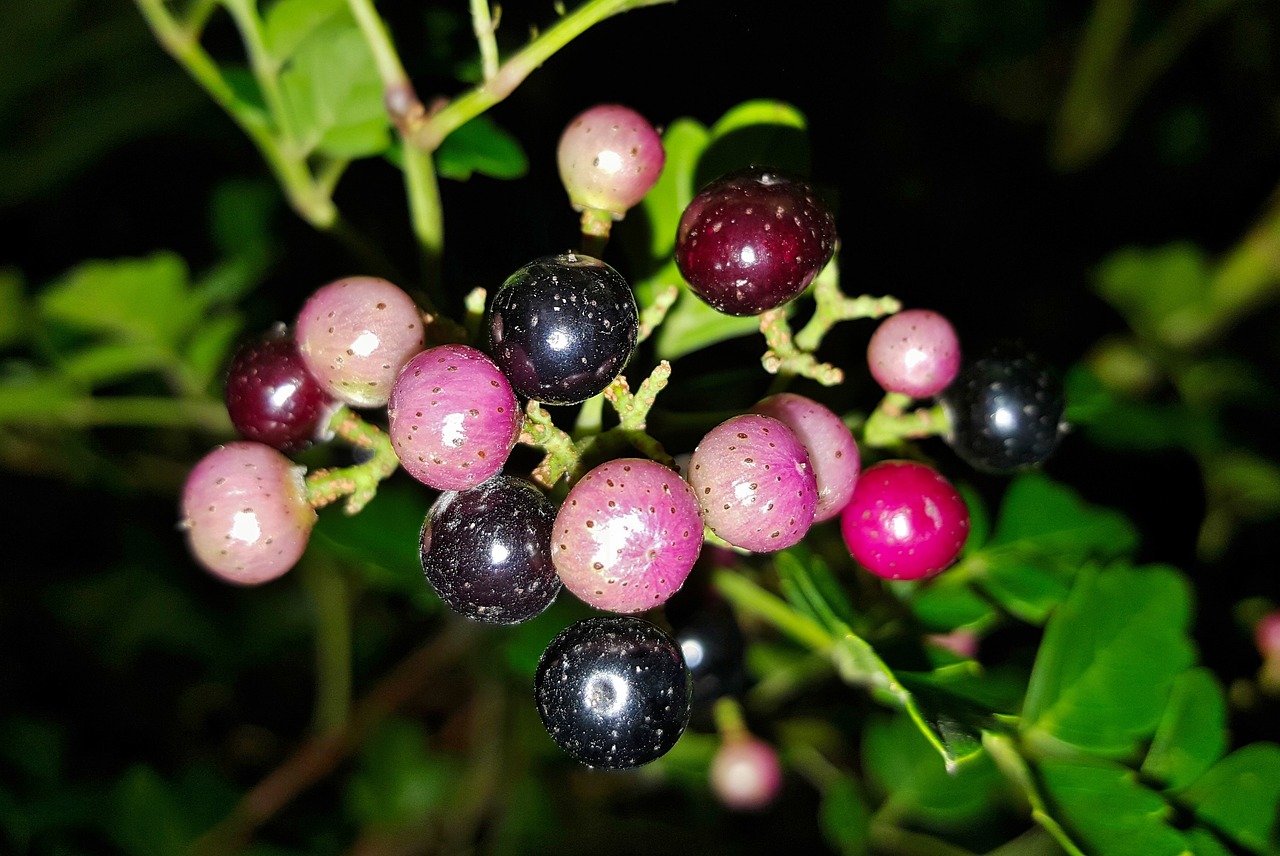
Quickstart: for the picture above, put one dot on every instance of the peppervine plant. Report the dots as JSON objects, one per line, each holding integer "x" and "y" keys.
{"x": 842, "y": 555}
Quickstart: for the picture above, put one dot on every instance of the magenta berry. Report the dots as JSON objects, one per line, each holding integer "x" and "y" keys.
{"x": 745, "y": 774}
{"x": 245, "y": 512}
{"x": 833, "y": 451}
{"x": 915, "y": 352}
{"x": 453, "y": 417}
{"x": 272, "y": 398}
{"x": 627, "y": 535}
{"x": 753, "y": 479}
{"x": 753, "y": 240}
{"x": 609, "y": 156}
{"x": 355, "y": 334}
{"x": 905, "y": 521}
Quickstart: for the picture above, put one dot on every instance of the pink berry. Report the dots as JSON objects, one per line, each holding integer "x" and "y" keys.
{"x": 746, "y": 774}
{"x": 453, "y": 417}
{"x": 627, "y": 535}
{"x": 915, "y": 352}
{"x": 1266, "y": 634}
{"x": 355, "y": 334}
{"x": 245, "y": 512}
{"x": 755, "y": 484}
{"x": 609, "y": 157}
{"x": 905, "y": 521}
{"x": 829, "y": 442}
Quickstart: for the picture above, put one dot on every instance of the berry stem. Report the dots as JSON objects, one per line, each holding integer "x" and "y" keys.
{"x": 330, "y": 600}
{"x": 485, "y": 26}
{"x": 562, "y": 455}
{"x": 358, "y": 483}
{"x": 653, "y": 314}
{"x": 891, "y": 422}
{"x": 729, "y": 719}
{"x": 749, "y": 598}
{"x": 833, "y": 306}
{"x": 784, "y": 359}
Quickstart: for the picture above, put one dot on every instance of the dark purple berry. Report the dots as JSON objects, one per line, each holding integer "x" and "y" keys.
{"x": 486, "y": 551}
{"x": 562, "y": 327}
{"x": 753, "y": 240}
{"x": 613, "y": 691}
{"x": 1005, "y": 411}
{"x": 271, "y": 396}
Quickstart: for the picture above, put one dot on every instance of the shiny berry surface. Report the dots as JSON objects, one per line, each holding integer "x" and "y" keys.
{"x": 609, "y": 156}
{"x": 753, "y": 479}
{"x": 1005, "y": 411}
{"x": 355, "y": 334}
{"x": 562, "y": 327}
{"x": 753, "y": 240}
{"x": 271, "y": 397}
{"x": 915, "y": 352}
{"x": 613, "y": 691}
{"x": 712, "y": 642}
{"x": 832, "y": 449}
{"x": 905, "y": 521}
{"x": 245, "y": 512}
{"x": 627, "y": 535}
{"x": 745, "y": 774}
{"x": 452, "y": 417}
{"x": 485, "y": 551}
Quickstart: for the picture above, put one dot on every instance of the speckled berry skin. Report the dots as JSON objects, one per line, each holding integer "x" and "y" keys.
{"x": 613, "y": 691}
{"x": 905, "y": 521}
{"x": 486, "y": 552}
{"x": 562, "y": 327}
{"x": 453, "y": 417}
{"x": 832, "y": 449}
{"x": 754, "y": 482}
{"x": 627, "y": 535}
{"x": 355, "y": 334}
{"x": 245, "y": 512}
{"x": 915, "y": 352}
{"x": 745, "y": 774}
{"x": 609, "y": 157}
{"x": 270, "y": 395}
{"x": 753, "y": 240}
{"x": 1005, "y": 411}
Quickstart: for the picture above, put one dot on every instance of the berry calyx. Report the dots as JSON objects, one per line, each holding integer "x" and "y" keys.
{"x": 753, "y": 240}
{"x": 613, "y": 691}
{"x": 562, "y": 327}
{"x": 609, "y": 156}
{"x": 915, "y": 352}
{"x": 272, "y": 397}
{"x": 905, "y": 521}
{"x": 485, "y": 551}
{"x": 832, "y": 449}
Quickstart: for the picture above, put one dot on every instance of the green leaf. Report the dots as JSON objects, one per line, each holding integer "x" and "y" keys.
{"x": 13, "y": 308}
{"x": 683, "y": 141}
{"x": 1117, "y": 422}
{"x": 481, "y": 146}
{"x": 208, "y": 350}
{"x": 1240, "y": 797}
{"x": 287, "y": 24}
{"x": 399, "y": 780}
{"x": 139, "y": 300}
{"x": 756, "y": 132}
{"x": 692, "y": 325}
{"x": 36, "y": 747}
{"x": 947, "y": 603}
{"x": 845, "y": 820}
{"x": 333, "y": 94}
{"x": 148, "y": 820}
{"x": 1151, "y": 286}
{"x": 902, "y": 766}
{"x": 1105, "y": 807}
{"x": 811, "y": 587}
{"x": 1205, "y": 843}
{"x": 1192, "y": 733}
{"x": 240, "y": 214}
{"x": 33, "y": 398}
{"x": 1109, "y": 658}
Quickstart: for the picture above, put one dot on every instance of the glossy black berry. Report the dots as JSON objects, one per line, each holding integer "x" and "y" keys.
{"x": 613, "y": 691}
{"x": 487, "y": 550}
{"x": 713, "y": 645}
{"x": 753, "y": 240}
{"x": 271, "y": 396}
{"x": 1005, "y": 410}
{"x": 562, "y": 327}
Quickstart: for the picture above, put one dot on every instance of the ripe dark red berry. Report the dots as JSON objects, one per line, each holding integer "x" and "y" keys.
{"x": 270, "y": 395}
{"x": 753, "y": 240}
{"x": 613, "y": 691}
{"x": 486, "y": 551}
{"x": 562, "y": 327}
{"x": 1005, "y": 410}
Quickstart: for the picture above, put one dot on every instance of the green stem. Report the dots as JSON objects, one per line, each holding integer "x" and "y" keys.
{"x": 331, "y": 601}
{"x": 140, "y": 411}
{"x": 358, "y": 483}
{"x": 730, "y": 722}
{"x": 891, "y": 423}
{"x": 590, "y": 417}
{"x": 484, "y": 27}
{"x": 1087, "y": 121}
{"x": 751, "y": 599}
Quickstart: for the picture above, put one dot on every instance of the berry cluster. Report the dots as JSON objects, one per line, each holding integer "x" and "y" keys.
{"x": 614, "y": 690}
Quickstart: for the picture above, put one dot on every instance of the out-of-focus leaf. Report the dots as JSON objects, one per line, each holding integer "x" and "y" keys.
{"x": 484, "y": 147}
{"x": 1122, "y": 423}
{"x": 33, "y": 398}
{"x": 289, "y": 23}
{"x": 1152, "y": 286}
{"x": 1107, "y": 809}
{"x": 810, "y": 586}
{"x": 1240, "y": 797}
{"x": 35, "y": 747}
{"x": 209, "y": 349}
{"x": 845, "y": 820}
{"x": 763, "y": 131}
{"x": 1204, "y": 843}
{"x": 945, "y": 604}
{"x": 1192, "y": 734}
{"x": 1247, "y": 482}
{"x": 692, "y": 325}
{"x": 1109, "y": 657}
{"x": 240, "y": 223}
{"x": 399, "y": 780}
{"x": 13, "y": 307}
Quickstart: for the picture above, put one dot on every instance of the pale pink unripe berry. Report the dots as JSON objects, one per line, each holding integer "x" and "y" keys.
{"x": 829, "y": 442}
{"x": 746, "y": 774}
{"x": 915, "y": 352}
{"x": 609, "y": 157}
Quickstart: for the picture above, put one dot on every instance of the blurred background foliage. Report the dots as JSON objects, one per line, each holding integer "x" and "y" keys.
{"x": 1097, "y": 179}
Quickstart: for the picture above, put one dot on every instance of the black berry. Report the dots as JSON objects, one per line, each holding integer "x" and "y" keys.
{"x": 562, "y": 327}
{"x": 613, "y": 691}
{"x": 1005, "y": 410}
{"x": 487, "y": 550}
